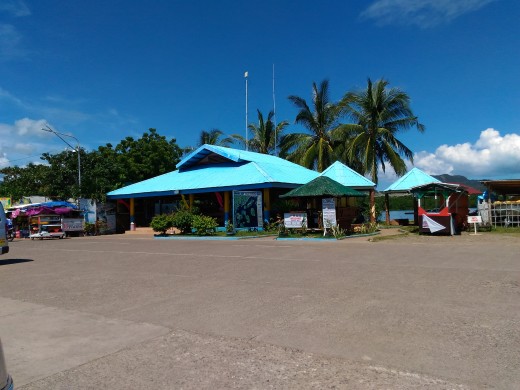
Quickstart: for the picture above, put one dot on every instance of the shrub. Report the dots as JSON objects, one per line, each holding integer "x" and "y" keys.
{"x": 161, "y": 223}
{"x": 183, "y": 220}
{"x": 230, "y": 228}
{"x": 367, "y": 228}
{"x": 338, "y": 232}
{"x": 204, "y": 225}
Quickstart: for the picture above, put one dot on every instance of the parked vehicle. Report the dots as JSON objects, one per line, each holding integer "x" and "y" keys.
{"x": 6, "y": 382}
{"x": 3, "y": 231}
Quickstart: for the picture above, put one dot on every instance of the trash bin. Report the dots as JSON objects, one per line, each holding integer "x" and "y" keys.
{"x": 6, "y": 383}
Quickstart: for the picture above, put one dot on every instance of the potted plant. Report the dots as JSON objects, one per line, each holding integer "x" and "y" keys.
{"x": 230, "y": 229}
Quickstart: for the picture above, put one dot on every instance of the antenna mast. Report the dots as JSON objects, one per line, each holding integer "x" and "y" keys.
{"x": 247, "y": 141}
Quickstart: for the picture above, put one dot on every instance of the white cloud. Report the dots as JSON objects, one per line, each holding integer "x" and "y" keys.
{"x": 15, "y": 8}
{"x": 10, "y": 40}
{"x": 423, "y": 13}
{"x": 491, "y": 156}
{"x": 30, "y": 127}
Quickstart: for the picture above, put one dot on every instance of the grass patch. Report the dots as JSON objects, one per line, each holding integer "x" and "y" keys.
{"x": 505, "y": 230}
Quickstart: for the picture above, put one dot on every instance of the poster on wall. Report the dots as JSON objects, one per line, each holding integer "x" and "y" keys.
{"x": 329, "y": 212}
{"x": 247, "y": 209}
{"x": 104, "y": 213}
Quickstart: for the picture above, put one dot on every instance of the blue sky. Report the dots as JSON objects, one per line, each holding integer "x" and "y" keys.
{"x": 104, "y": 70}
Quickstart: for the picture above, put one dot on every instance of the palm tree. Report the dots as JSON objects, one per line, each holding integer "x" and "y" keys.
{"x": 266, "y": 135}
{"x": 379, "y": 114}
{"x": 314, "y": 150}
{"x": 213, "y": 137}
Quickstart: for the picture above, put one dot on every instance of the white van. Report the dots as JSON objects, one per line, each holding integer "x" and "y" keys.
{"x": 3, "y": 231}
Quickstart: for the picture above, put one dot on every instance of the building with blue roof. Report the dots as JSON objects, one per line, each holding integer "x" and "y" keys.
{"x": 413, "y": 178}
{"x": 213, "y": 176}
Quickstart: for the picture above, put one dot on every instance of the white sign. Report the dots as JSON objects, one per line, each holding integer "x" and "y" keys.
{"x": 329, "y": 212}
{"x": 474, "y": 219}
{"x": 72, "y": 224}
{"x": 293, "y": 220}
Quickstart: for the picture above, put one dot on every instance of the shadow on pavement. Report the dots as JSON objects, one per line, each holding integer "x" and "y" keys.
{"x": 14, "y": 261}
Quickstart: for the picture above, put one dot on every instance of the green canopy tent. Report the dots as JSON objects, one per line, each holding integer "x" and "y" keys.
{"x": 325, "y": 187}
{"x": 322, "y": 186}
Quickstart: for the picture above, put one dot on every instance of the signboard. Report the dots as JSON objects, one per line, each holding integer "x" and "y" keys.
{"x": 329, "y": 212}
{"x": 247, "y": 209}
{"x": 474, "y": 219}
{"x": 6, "y": 202}
{"x": 294, "y": 220}
{"x": 72, "y": 225}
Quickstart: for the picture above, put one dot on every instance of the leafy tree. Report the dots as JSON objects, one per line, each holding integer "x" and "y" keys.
{"x": 22, "y": 181}
{"x": 102, "y": 170}
{"x": 149, "y": 156}
{"x": 379, "y": 114}
{"x": 314, "y": 150}
{"x": 62, "y": 179}
{"x": 266, "y": 135}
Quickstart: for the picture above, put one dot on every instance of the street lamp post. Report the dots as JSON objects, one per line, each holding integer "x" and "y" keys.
{"x": 77, "y": 150}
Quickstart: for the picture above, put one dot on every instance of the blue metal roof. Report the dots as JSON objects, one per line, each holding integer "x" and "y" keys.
{"x": 214, "y": 168}
{"x": 415, "y": 177}
{"x": 347, "y": 176}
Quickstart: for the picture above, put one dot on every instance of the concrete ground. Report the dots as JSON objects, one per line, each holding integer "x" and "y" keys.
{"x": 121, "y": 312}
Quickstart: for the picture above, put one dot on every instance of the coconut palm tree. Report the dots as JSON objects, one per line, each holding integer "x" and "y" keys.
{"x": 266, "y": 135}
{"x": 379, "y": 113}
{"x": 214, "y": 137}
{"x": 314, "y": 150}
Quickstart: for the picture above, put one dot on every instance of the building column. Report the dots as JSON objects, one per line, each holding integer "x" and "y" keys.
{"x": 267, "y": 204}
{"x": 227, "y": 203}
{"x": 132, "y": 214}
{"x": 191, "y": 199}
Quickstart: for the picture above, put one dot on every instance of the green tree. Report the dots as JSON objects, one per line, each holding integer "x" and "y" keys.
{"x": 314, "y": 150}
{"x": 149, "y": 156}
{"x": 379, "y": 113}
{"x": 23, "y": 181}
{"x": 62, "y": 179}
{"x": 266, "y": 135}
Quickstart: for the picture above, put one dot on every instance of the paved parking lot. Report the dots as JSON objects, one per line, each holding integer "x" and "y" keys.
{"x": 123, "y": 312}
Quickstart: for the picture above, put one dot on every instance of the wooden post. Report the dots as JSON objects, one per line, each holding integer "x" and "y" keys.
{"x": 387, "y": 208}
{"x": 191, "y": 199}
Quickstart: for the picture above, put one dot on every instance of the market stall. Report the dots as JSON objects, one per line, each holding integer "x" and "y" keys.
{"x": 451, "y": 211}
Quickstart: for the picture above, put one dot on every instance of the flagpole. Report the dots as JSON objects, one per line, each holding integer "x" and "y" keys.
{"x": 274, "y": 118}
{"x": 247, "y": 140}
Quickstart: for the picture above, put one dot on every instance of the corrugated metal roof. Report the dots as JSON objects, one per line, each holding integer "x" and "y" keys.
{"x": 347, "y": 176}
{"x": 227, "y": 169}
{"x": 415, "y": 177}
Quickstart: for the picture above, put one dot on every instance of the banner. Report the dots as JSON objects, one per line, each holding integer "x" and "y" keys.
{"x": 294, "y": 220}
{"x": 329, "y": 212}
{"x": 428, "y": 223}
